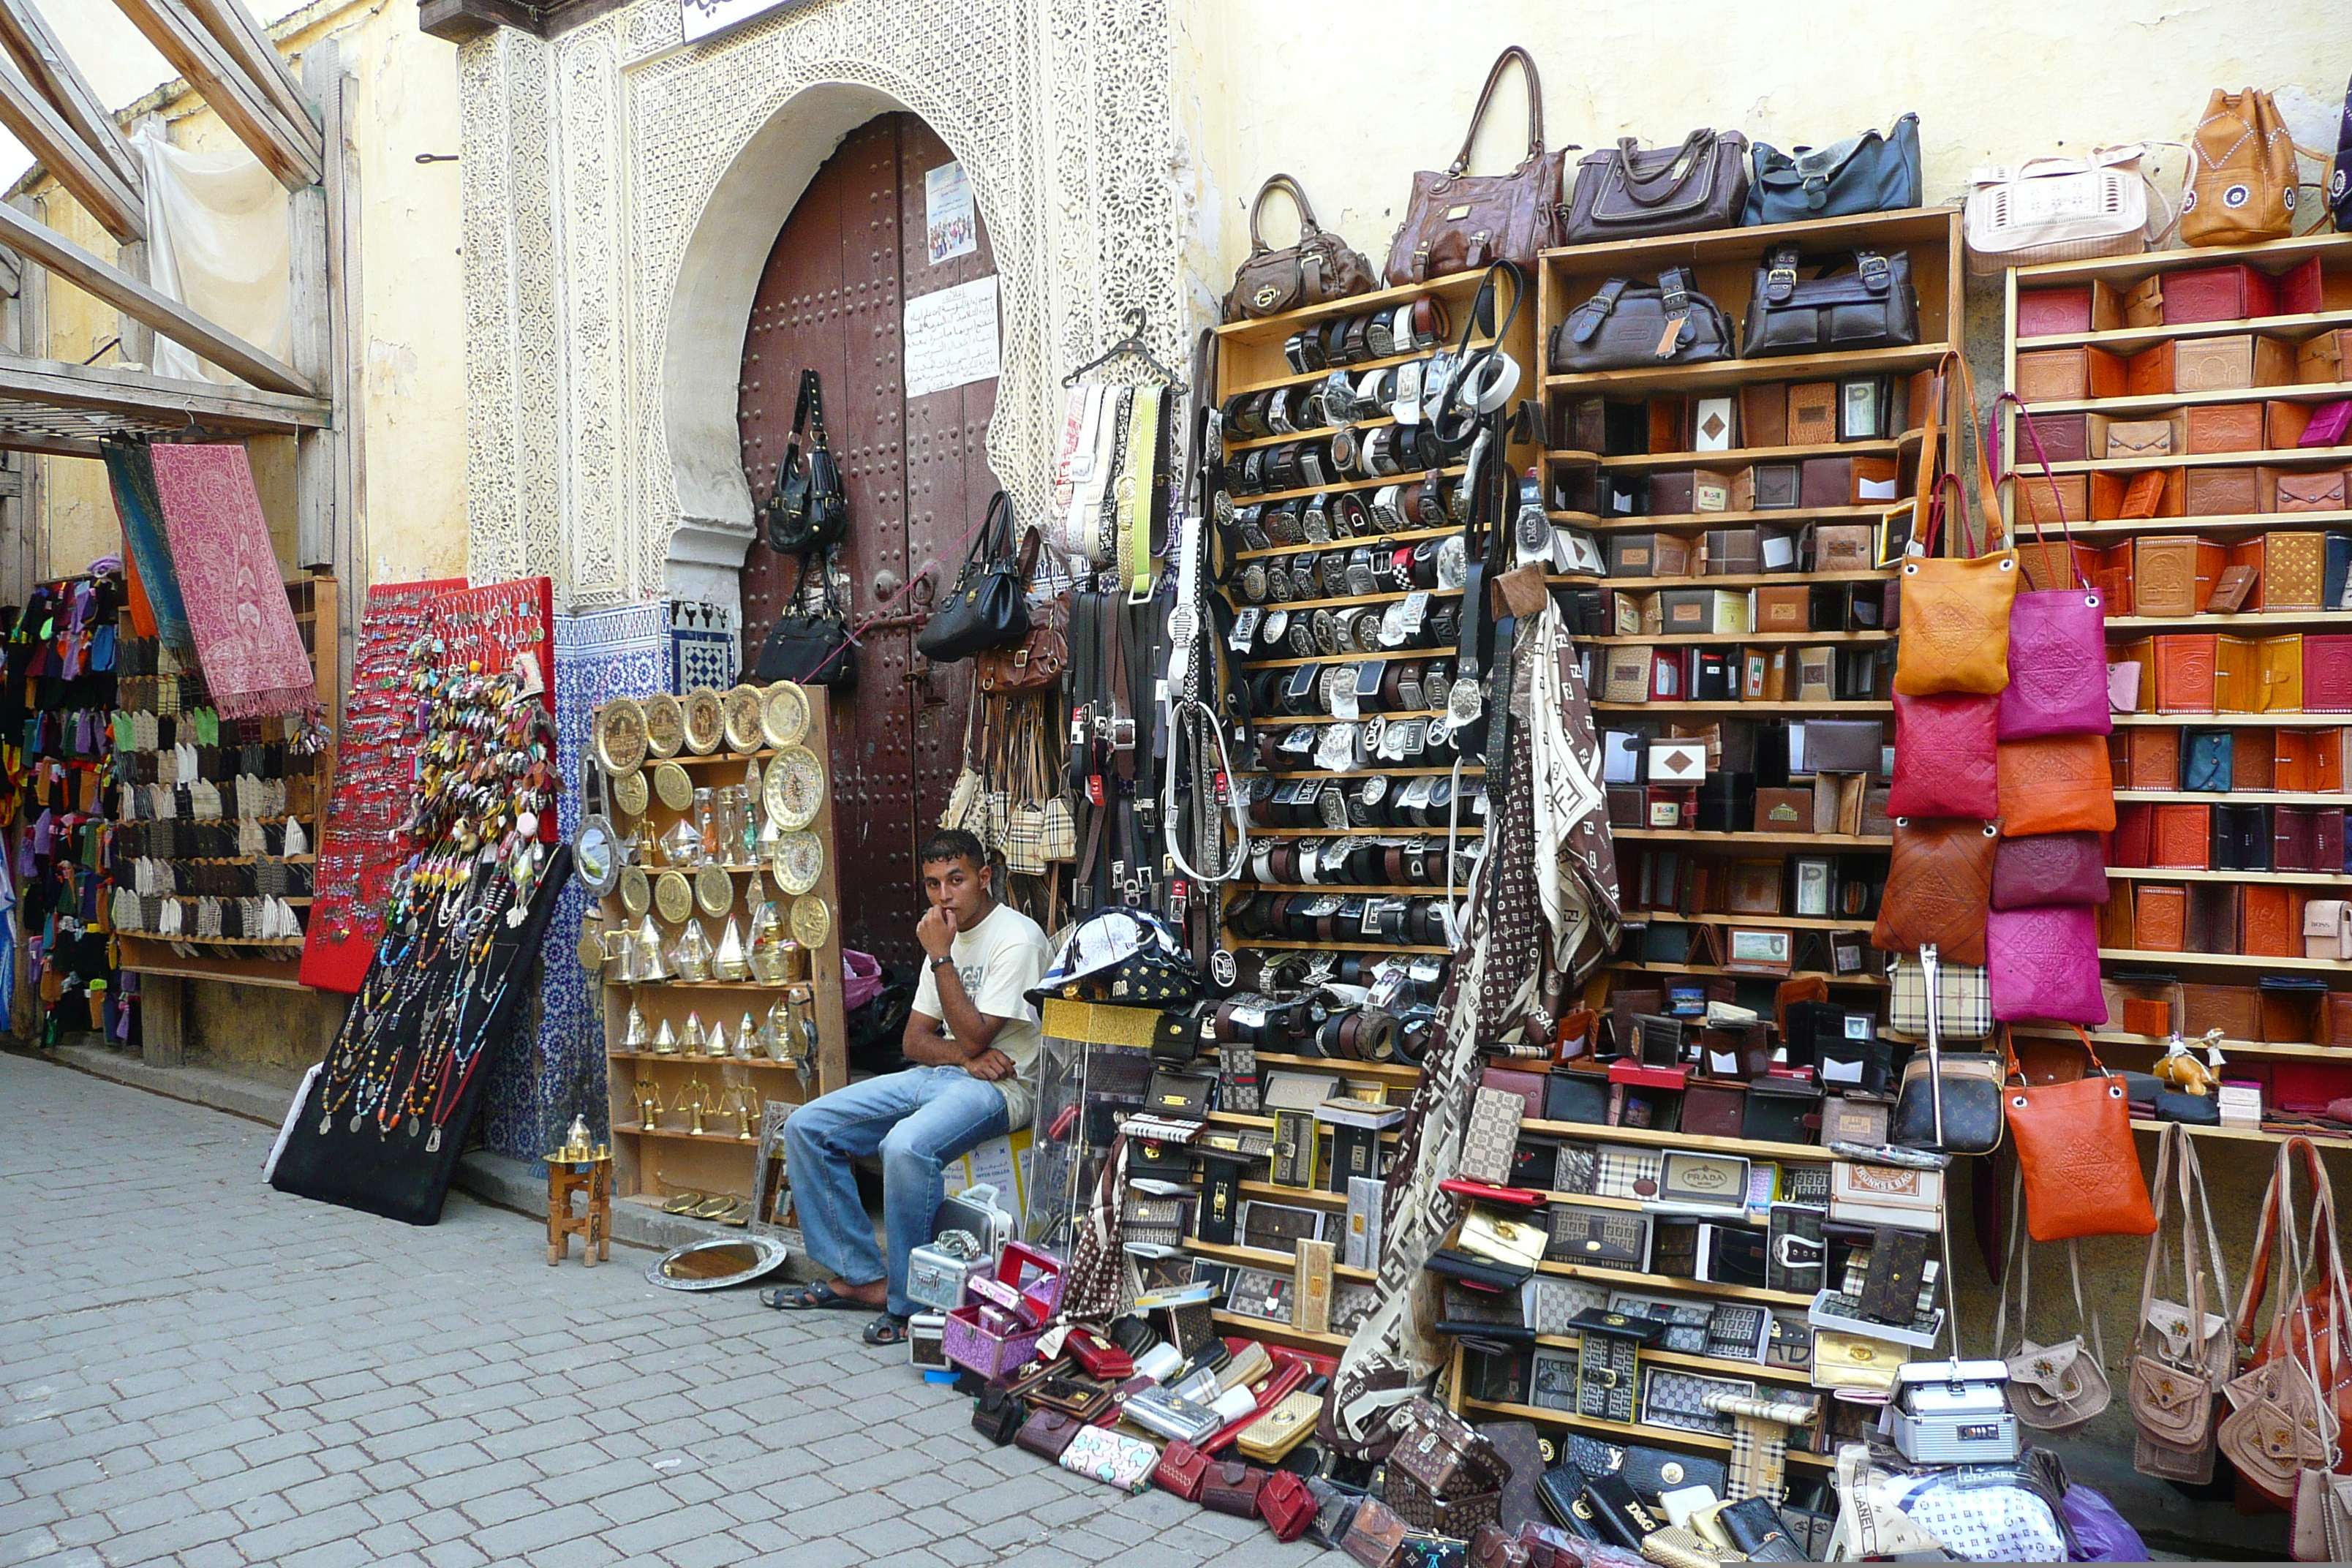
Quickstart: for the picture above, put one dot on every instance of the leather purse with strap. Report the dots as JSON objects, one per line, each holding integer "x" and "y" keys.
{"x": 1320, "y": 269}
{"x": 1459, "y": 222}
{"x": 1871, "y": 307}
{"x": 1955, "y": 612}
{"x": 988, "y": 607}
{"x": 2079, "y": 1169}
{"x": 2277, "y": 1425}
{"x": 1625, "y": 193}
{"x": 1938, "y": 887}
{"x": 1627, "y": 325}
{"x": 2055, "y": 1388}
{"x": 2179, "y": 1363}
{"x": 807, "y": 512}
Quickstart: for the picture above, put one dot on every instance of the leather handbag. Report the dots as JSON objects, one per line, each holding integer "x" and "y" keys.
{"x": 2057, "y": 637}
{"x": 988, "y": 607}
{"x": 2056, "y": 1388}
{"x": 2044, "y": 962}
{"x": 2057, "y": 784}
{"x": 807, "y": 512}
{"x": 1871, "y": 173}
{"x": 1320, "y": 269}
{"x": 2181, "y": 1355}
{"x": 1623, "y": 327}
{"x": 2240, "y": 189}
{"x": 2050, "y": 868}
{"x": 2074, "y": 1149}
{"x": 2062, "y": 209}
{"x": 812, "y": 649}
{"x": 1944, "y": 762}
{"x": 1969, "y": 1083}
{"x": 1047, "y": 1431}
{"x": 1963, "y": 997}
{"x": 1459, "y": 222}
{"x": 1286, "y": 1506}
{"x": 1955, "y": 611}
{"x": 1625, "y": 193}
{"x": 2309, "y": 1342}
{"x": 2320, "y": 1529}
{"x": 1231, "y": 1487}
{"x": 1871, "y": 307}
{"x": 1938, "y": 886}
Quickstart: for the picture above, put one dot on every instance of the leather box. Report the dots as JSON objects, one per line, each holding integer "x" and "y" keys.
{"x": 2215, "y": 914}
{"x": 2065, "y": 437}
{"x": 1573, "y": 1095}
{"x": 2325, "y": 358}
{"x": 2183, "y": 837}
{"x": 1648, "y": 556}
{"x": 2151, "y": 757}
{"x": 2174, "y": 574}
{"x": 1732, "y": 550}
{"x": 2162, "y": 437}
{"x": 2159, "y": 917}
{"x": 2185, "y": 663}
{"x": 2224, "y": 428}
{"x": 2220, "y": 492}
{"x": 2293, "y": 1015}
{"x": 1667, "y": 415}
{"x": 2110, "y": 571}
{"x": 2150, "y": 373}
{"x": 2291, "y": 491}
{"x": 1764, "y": 414}
{"x": 1825, "y": 481}
{"x": 2307, "y": 839}
{"x": 1774, "y": 486}
{"x": 1784, "y": 810}
{"x": 2270, "y": 917}
{"x": 2327, "y": 673}
{"x": 1671, "y": 493}
{"x": 1713, "y": 1109}
{"x": 1782, "y": 1111}
{"x": 2237, "y": 676}
{"x": 2295, "y": 570}
{"x": 1876, "y": 481}
{"x": 2242, "y": 838}
{"x": 2051, "y": 501}
{"x": 1812, "y": 414}
{"x": 2130, "y": 498}
{"x": 2283, "y": 422}
{"x": 2231, "y": 293}
{"x": 1840, "y": 546}
{"x": 2054, "y": 375}
{"x": 2045, "y": 312}
{"x": 2278, "y": 677}
{"x": 2235, "y": 1010}
{"x": 2043, "y": 570}
{"x": 2230, "y": 364}
{"x": 1693, "y": 612}
{"x": 1783, "y": 609}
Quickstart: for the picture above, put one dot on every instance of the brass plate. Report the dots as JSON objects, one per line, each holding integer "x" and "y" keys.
{"x": 798, "y": 862}
{"x": 706, "y": 720}
{"x": 673, "y": 897}
{"x": 631, "y": 793}
{"x": 785, "y": 714}
{"x": 672, "y": 785}
{"x": 793, "y": 790}
{"x": 621, "y": 735}
{"x": 636, "y": 892}
{"x": 714, "y": 891}
{"x": 743, "y": 714}
{"x": 811, "y": 922}
{"x": 665, "y": 725}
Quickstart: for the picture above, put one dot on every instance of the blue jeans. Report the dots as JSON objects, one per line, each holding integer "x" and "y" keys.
{"x": 918, "y": 1119}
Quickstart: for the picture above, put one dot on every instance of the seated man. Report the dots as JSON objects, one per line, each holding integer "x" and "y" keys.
{"x": 982, "y": 959}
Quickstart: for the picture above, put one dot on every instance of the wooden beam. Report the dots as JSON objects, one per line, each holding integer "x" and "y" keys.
{"x": 49, "y": 446}
{"x": 202, "y": 405}
{"x": 77, "y": 167}
{"x": 174, "y": 321}
{"x": 47, "y": 66}
{"x": 315, "y": 451}
{"x": 250, "y": 45}
{"x": 291, "y": 152}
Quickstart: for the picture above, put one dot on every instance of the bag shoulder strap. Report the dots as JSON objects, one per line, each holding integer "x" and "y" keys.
{"x": 1307, "y": 227}
{"x": 1461, "y": 165}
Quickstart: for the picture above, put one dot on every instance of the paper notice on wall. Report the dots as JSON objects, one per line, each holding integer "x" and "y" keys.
{"x": 950, "y": 337}
{"x": 952, "y": 228}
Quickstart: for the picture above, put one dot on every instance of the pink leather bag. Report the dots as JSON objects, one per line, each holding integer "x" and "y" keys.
{"x": 1947, "y": 758}
{"x": 2330, "y": 423}
{"x": 2050, "y": 868}
{"x": 2057, "y": 643}
{"x": 2044, "y": 964}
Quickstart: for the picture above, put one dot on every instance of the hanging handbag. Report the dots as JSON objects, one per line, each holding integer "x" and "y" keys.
{"x": 1320, "y": 269}
{"x": 2339, "y": 171}
{"x": 1866, "y": 173}
{"x": 2055, "y": 1388}
{"x": 807, "y": 512}
{"x": 1945, "y": 763}
{"x": 1963, "y": 997}
{"x": 2044, "y": 962}
{"x": 1625, "y": 192}
{"x": 1938, "y": 886}
{"x": 2050, "y": 868}
{"x": 2240, "y": 189}
{"x": 2057, "y": 637}
{"x": 989, "y": 606}
{"x": 2057, "y": 784}
{"x": 2181, "y": 1355}
{"x": 1623, "y": 327}
{"x": 1948, "y": 1100}
{"x": 1955, "y": 611}
{"x": 813, "y": 648}
{"x": 2074, "y": 1152}
{"x": 1871, "y": 307}
{"x": 2306, "y": 1354}
{"x": 1459, "y": 222}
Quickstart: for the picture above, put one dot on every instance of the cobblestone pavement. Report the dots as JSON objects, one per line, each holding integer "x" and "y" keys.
{"x": 195, "y": 1369}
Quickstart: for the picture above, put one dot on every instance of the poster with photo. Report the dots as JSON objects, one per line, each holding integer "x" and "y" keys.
{"x": 953, "y": 228}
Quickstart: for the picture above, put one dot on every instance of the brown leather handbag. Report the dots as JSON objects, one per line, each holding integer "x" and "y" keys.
{"x": 2242, "y": 172}
{"x": 1320, "y": 267}
{"x": 1954, "y": 610}
{"x": 2073, "y": 1144}
{"x": 1623, "y": 193}
{"x": 2294, "y": 1398}
{"x": 1459, "y": 222}
{"x": 1039, "y": 658}
{"x": 2056, "y": 783}
{"x": 1939, "y": 886}
{"x": 2177, "y": 1366}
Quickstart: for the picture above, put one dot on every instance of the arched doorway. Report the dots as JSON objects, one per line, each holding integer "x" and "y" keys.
{"x": 832, "y": 296}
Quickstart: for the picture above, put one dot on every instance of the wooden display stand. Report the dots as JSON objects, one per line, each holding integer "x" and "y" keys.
{"x": 593, "y": 1181}
{"x": 673, "y": 1157}
{"x": 2248, "y": 920}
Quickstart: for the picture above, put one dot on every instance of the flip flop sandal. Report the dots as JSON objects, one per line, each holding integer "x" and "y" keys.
{"x": 886, "y": 1331}
{"x": 817, "y": 1298}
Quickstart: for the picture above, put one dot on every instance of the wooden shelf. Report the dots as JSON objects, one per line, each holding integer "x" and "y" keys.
{"x": 2164, "y": 402}
{"x": 1715, "y": 1365}
{"x": 1318, "y": 432}
{"x": 1260, "y": 1328}
{"x": 1284, "y": 720}
{"x": 768, "y": 1062}
{"x": 2221, "y": 960}
{"x": 1259, "y": 1257}
{"x": 682, "y": 1135}
{"x": 1651, "y": 1138}
{"x": 2265, "y": 521}
{"x": 2247, "y": 1135}
{"x": 2257, "y": 619}
{"x": 1354, "y": 601}
{"x": 1338, "y": 1067}
{"x": 1744, "y": 639}
{"x": 1741, "y": 456}
{"x": 1874, "y": 981}
{"x": 1469, "y": 770}
{"x": 1361, "y": 832}
{"x": 1792, "y": 923}
{"x": 2269, "y": 458}
{"x": 713, "y": 759}
{"x": 2236, "y": 797}
{"x": 1736, "y": 372}
{"x": 1733, "y": 580}
{"x": 1636, "y": 1433}
{"x": 1616, "y": 257}
{"x": 1674, "y": 1282}
{"x": 2126, "y": 340}
{"x": 1349, "y": 889}
{"x": 2149, "y": 263}
{"x": 1733, "y": 841}
{"x": 1667, "y": 706}
{"x": 1703, "y": 519}
{"x": 1275, "y": 329}
{"x": 1296, "y": 661}
{"x": 1335, "y": 488}
{"x": 2207, "y": 721}
{"x": 1403, "y": 536}
{"x": 2228, "y": 1048}
{"x": 2162, "y": 874}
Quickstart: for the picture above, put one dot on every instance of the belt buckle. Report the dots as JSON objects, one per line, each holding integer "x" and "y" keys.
{"x": 1122, "y": 732}
{"x": 1873, "y": 271}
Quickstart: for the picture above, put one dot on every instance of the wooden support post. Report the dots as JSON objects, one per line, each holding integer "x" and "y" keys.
{"x": 162, "y": 1020}
{"x": 316, "y": 452}
{"x": 32, "y": 337}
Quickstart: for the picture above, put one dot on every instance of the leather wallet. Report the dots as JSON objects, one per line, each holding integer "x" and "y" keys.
{"x": 1561, "y": 1491}
{"x": 1231, "y": 1487}
{"x": 1617, "y": 1512}
{"x": 1653, "y": 1472}
{"x": 1757, "y": 1531}
{"x": 1182, "y": 1470}
{"x": 1843, "y": 745}
{"x": 1287, "y": 1505}
{"x": 1047, "y": 1431}
{"x": 1374, "y": 1535}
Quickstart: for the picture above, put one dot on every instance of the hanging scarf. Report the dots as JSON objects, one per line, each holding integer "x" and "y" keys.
{"x": 1096, "y": 1287}
{"x": 247, "y": 641}
{"x": 132, "y": 477}
{"x": 1576, "y": 865}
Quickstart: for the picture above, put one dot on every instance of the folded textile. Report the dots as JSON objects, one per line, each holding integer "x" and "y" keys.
{"x": 251, "y": 651}
{"x": 132, "y": 479}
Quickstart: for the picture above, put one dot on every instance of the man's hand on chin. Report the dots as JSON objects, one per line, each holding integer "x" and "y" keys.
{"x": 936, "y": 931}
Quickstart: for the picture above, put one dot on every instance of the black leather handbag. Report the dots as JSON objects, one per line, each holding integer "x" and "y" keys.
{"x": 1623, "y": 193}
{"x": 807, "y": 512}
{"x": 1866, "y": 173}
{"x": 988, "y": 608}
{"x": 1871, "y": 307}
{"x": 810, "y": 645}
{"x": 1623, "y": 327}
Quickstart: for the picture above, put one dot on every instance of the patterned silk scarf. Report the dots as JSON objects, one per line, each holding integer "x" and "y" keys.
{"x": 251, "y": 651}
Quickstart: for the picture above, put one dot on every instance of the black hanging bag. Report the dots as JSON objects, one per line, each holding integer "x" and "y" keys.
{"x": 988, "y": 608}
{"x": 807, "y": 512}
{"x": 810, "y": 645}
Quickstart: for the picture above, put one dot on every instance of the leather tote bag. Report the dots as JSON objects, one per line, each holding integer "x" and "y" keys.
{"x": 989, "y": 606}
{"x": 1320, "y": 267}
{"x": 2178, "y": 1361}
{"x": 2303, "y": 1363}
{"x": 1623, "y": 327}
{"x": 2055, "y": 1388}
{"x": 2044, "y": 962}
{"x": 2074, "y": 1152}
{"x": 1945, "y": 757}
{"x": 1459, "y": 222}
{"x": 1625, "y": 193}
{"x": 1938, "y": 887}
{"x": 1871, "y": 307}
{"x": 2050, "y": 868}
{"x": 808, "y": 512}
{"x": 2062, "y": 209}
{"x": 810, "y": 645}
{"x": 2058, "y": 783}
{"x": 2240, "y": 189}
{"x": 2057, "y": 637}
{"x": 1954, "y": 610}
{"x": 1866, "y": 173}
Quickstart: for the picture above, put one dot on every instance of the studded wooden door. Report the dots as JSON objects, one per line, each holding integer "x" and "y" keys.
{"x": 831, "y": 298}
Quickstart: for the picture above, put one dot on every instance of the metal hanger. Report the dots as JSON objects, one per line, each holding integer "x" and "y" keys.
{"x": 1132, "y": 344}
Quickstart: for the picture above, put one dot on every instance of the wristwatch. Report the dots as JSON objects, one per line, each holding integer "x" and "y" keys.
{"x": 938, "y": 963}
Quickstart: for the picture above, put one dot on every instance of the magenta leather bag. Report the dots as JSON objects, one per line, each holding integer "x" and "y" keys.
{"x": 2050, "y": 868}
{"x": 1947, "y": 756}
{"x": 2057, "y": 640}
{"x": 2330, "y": 423}
{"x": 2043, "y": 964}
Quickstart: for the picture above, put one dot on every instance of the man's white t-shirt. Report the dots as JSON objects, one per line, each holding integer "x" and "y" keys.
{"x": 998, "y": 960}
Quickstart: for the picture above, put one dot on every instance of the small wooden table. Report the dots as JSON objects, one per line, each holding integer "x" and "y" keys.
{"x": 593, "y": 1178}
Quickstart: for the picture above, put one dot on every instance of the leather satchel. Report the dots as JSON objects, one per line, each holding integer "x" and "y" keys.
{"x": 1625, "y": 193}
{"x": 1459, "y": 222}
{"x": 2241, "y": 175}
{"x": 1970, "y": 1085}
{"x": 812, "y": 649}
{"x": 2044, "y": 963}
{"x": 807, "y": 512}
{"x": 2181, "y": 1355}
{"x": 2074, "y": 1149}
{"x": 1625, "y": 326}
{"x": 2050, "y": 868}
{"x": 1871, "y": 307}
{"x": 1945, "y": 756}
{"x": 1866, "y": 173}
{"x": 1938, "y": 887}
{"x": 2058, "y": 783}
{"x": 2055, "y": 1388}
{"x": 988, "y": 607}
{"x": 2292, "y": 1403}
{"x": 1231, "y": 1487}
{"x": 1038, "y": 660}
{"x": 1320, "y": 269}
{"x": 1955, "y": 611}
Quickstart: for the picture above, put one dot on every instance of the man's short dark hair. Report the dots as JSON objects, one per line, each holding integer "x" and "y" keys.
{"x": 953, "y": 844}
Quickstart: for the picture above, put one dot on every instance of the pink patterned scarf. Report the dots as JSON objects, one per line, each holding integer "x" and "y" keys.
{"x": 247, "y": 641}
